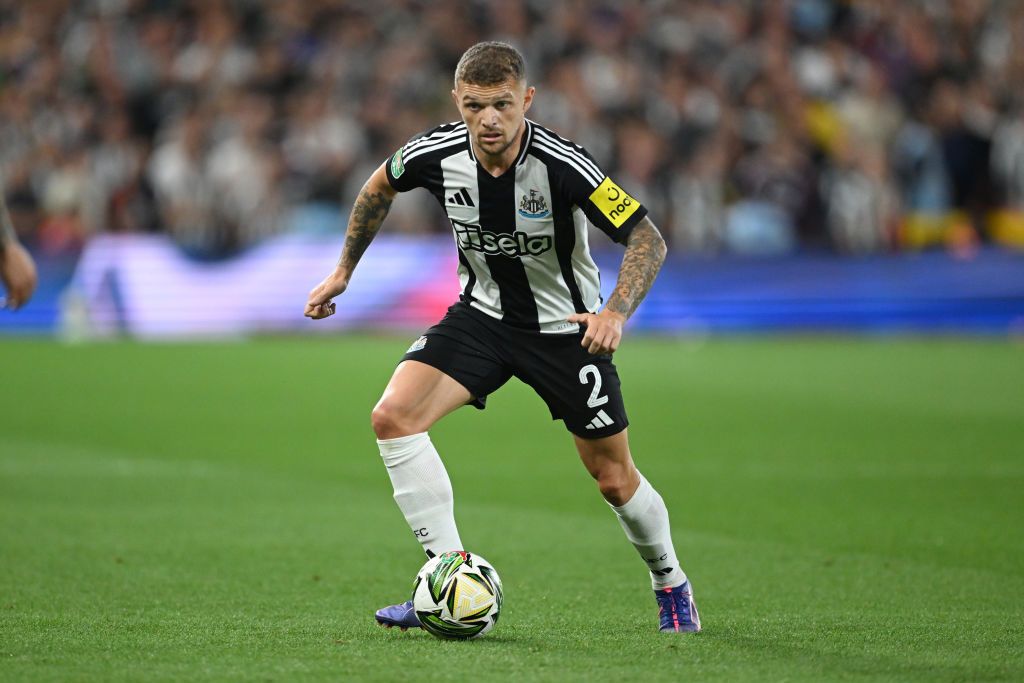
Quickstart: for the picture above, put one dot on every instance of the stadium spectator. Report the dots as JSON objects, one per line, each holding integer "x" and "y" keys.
{"x": 223, "y": 122}
{"x": 177, "y": 172}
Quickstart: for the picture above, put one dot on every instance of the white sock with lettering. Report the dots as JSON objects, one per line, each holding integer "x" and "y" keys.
{"x": 644, "y": 518}
{"x": 423, "y": 491}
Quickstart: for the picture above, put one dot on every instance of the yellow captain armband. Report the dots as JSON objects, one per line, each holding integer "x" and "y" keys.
{"x": 613, "y": 202}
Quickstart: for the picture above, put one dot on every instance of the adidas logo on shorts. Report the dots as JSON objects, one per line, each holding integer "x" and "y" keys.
{"x": 602, "y": 420}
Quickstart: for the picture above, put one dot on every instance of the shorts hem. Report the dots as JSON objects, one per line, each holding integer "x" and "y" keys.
{"x": 478, "y": 402}
{"x": 591, "y": 434}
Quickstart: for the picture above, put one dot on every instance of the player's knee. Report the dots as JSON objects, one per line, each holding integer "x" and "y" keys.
{"x": 385, "y": 421}
{"x": 616, "y": 483}
{"x": 390, "y": 421}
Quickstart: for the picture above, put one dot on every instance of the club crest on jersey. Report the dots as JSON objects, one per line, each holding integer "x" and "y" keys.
{"x": 513, "y": 245}
{"x": 418, "y": 345}
{"x": 534, "y": 205}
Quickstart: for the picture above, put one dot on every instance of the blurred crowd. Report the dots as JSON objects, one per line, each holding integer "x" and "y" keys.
{"x": 756, "y": 127}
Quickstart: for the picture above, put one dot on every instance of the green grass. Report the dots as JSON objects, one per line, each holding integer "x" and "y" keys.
{"x": 846, "y": 509}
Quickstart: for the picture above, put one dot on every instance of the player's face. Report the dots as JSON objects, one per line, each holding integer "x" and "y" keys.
{"x": 493, "y": 113}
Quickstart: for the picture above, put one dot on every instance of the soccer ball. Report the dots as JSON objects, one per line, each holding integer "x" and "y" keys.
{"x": 457, "y": 595}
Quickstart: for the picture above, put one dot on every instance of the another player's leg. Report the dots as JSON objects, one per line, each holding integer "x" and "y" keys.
{"x": 417, "y": 396}
{"x": 644, "y": 518}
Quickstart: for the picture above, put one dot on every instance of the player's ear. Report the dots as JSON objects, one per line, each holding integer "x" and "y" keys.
{"x": 528, "y": 98}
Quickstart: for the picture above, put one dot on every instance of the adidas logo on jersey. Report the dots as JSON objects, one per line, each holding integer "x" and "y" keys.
{"x": 602, "y": 420}
{"x": 512, "y": 245}
{"x": 460, "y": 198}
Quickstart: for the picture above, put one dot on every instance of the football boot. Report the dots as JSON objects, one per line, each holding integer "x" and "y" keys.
{"x": 676, "y": 609}
{"x": 402, "y": 616}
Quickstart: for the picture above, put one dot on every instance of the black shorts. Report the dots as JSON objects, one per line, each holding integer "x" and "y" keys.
{"x": 482, "y": 353}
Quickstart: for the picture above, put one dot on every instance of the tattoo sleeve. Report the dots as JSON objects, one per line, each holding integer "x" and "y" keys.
{"x": 645, "y": 252}
{"x": 7, "y": 234}
{"x": 368, "y": 213}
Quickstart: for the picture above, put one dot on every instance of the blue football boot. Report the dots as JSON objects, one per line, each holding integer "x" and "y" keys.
{"x": 402, "y": 616}
{"x": 677, "y": 610}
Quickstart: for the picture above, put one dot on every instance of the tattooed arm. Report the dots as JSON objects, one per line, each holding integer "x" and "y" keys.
{"x": 368, "y": 212}
{"x": 17, "y": 270}
{"x": 645, "y": 252}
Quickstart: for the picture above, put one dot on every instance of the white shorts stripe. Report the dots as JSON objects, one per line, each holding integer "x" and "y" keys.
{"x": 558, "y": 155}
{"x": 569, "y": 150}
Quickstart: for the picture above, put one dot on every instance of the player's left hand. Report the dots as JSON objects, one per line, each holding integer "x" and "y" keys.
{"x": 604, "y": 330}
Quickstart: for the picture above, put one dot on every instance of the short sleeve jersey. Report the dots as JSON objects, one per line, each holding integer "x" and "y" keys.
{"x": 522, "y": 236}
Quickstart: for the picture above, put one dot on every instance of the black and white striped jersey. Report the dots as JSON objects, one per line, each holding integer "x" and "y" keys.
{"x": 522, "y": 237}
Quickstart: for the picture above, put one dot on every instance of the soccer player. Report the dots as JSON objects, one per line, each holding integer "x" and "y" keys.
{"x": 17, "y": 270}
{"x": 518, "y": 197}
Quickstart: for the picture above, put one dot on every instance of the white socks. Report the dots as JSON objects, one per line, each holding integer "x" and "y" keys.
{"x": 644, "y": 518}
{"x": 422, "y": 490}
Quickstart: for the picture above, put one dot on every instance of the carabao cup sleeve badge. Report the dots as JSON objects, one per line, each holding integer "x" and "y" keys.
{"x": 397, "y": 167}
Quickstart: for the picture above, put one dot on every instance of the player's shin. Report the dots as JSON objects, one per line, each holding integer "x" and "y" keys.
{"x": 644, "y": 518}
{"x": 423, "y": 491}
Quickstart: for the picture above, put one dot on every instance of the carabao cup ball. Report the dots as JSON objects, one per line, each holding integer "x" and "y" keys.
{"x": 457, "y": 595}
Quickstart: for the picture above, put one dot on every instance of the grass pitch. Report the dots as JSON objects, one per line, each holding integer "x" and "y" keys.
{"x": 846, "y": 510}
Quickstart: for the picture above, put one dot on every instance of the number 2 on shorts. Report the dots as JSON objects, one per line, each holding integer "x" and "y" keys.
{"x": 585, "y": 372}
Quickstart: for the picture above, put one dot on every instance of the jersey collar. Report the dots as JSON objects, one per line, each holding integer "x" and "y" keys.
{"x": 525, "y": 147}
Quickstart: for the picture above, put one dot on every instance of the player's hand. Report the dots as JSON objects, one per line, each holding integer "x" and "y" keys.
{"x": 604, "y": 330}
{"x": 18, "y": 273}
{"x": 319, "y": 304}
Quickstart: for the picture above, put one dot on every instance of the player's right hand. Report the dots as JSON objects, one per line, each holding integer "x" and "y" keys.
{"x": 18, "y": 274}
{"x": 319, "y": 304}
